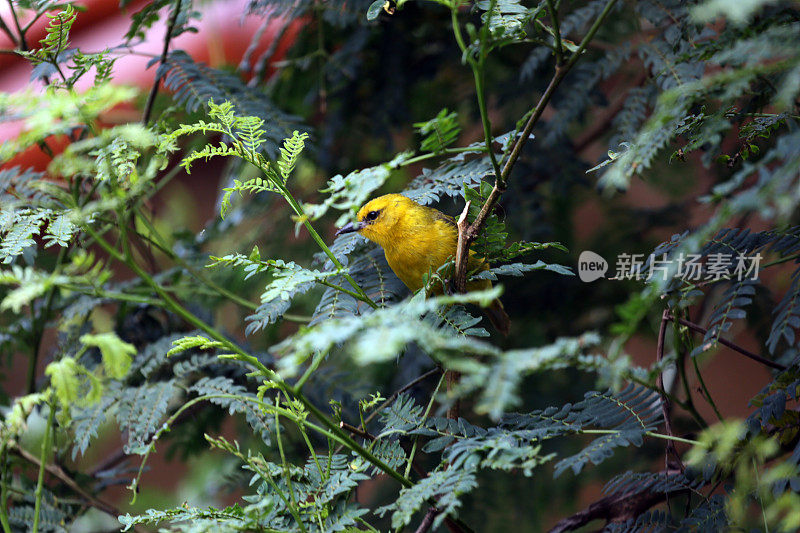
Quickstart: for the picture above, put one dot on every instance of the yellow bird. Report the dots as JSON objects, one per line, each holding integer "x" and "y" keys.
{"x": 417, "y": 240}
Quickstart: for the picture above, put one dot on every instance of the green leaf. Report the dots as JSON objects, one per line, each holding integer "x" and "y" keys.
{"x": 375, "y": 9}
{"x": 117, "y": 354}
{"x": 189, "y": 343}
{"x": 439, "y": 132}
{"x": 64, "y": 378}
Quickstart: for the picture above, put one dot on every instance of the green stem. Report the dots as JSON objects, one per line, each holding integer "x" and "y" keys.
{"x": 478, "y": 75}
{"x": 431, "y": 155}
{"x": 161, "y": 245}
{"x": 241, "y": 355}
{"x": 121, "y": 296}
{"x": 38, "y": 326}
{"x": 313, "y": 453}
{"x": 424, "y": 417}
{"x": 559, "y": 46}
{"x": 345, "y": 439}
{"x": 286, "y": 474}
{"x": 354, "y": 294}
{"x": 47, "y": 444}
{"x": 178, "y": 309}
{"x": 315, "y": 362}
{"x": 706, "y": 393}
{"x": 4, "y": 492}
{"x": 760, "y": 495}
{"x": 648, "y": 433}
{"x": 298, "y": 209}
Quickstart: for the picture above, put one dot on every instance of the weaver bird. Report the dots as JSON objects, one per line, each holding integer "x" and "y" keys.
{"x": 418, "y": 240}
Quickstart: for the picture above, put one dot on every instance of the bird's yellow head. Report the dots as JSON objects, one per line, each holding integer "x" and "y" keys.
{"x": 378, "y": 219}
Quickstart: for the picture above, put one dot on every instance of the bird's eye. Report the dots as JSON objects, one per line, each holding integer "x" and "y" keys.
{"x": 372, "y": 215}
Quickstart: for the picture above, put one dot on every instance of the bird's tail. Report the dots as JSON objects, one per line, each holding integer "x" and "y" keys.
{"x": 497, "y": 316}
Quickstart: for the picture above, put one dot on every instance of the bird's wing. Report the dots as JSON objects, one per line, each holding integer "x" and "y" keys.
{"x": 438, "y": 215}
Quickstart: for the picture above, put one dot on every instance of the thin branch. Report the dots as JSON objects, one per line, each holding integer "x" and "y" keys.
{"x": 5, "y": 29}
{"x": 23, "y": 44}
{"x": 59, "y": 473}
{"x": 356, "y": 431}
{"x": 427, "y": 521}
{"x": 600, "y": 124}
{"x": 47, "y": 447}
{"x": 151, "y": 98}
{"x": 617, "y": 507}
{"x": 729, "y": 344}
{"x": 500, "y": 182}
{"x": 400, "y": 391}
{"x": 559, "y": 46}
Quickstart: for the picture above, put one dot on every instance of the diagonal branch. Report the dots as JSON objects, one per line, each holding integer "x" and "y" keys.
{"x": 616, "y": 507}
{"x": 735, "y": 347}
{"x": 59, "y": 473}
{"x": 468, "y": 235}
{"x": 151, "y": 98}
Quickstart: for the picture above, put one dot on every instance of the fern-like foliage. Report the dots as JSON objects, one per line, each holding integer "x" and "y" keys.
{"x": 141, "y": 411}
{"x": 195, "y": 84}
{"x": 439, "y": 132}
{"x": 288, "y": 281}
{"x": 631, "y": 413}
{"x": 445, "y": 486}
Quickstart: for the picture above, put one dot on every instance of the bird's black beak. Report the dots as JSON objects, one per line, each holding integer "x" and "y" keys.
{"x": 350, "y": 227}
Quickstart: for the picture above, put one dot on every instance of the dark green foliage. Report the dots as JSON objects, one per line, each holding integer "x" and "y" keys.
{"x": 444, "y": 486}
{"x": 141, "y": 411}
{"x": 439, "y": 132}
{"x": 194, "y": 84}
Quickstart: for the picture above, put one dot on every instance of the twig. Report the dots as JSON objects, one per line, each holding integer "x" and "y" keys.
{"x": 400, "y": 391}
{"x": 151, "y": 98}
{"x": 427, "y": 521}
{"x": 600, "y": 125}
{"x": 5, "y": 29}
{"x": 59, "y": 473}
{"x": 23, "y": 45}
{"x": 356, "y": 431}
{"x": 110, "y": 462}
{"x": 729, "y": 344}
{"x": 559, "y": 46}
{"x": 500, "y": 182}
{"x": 616, "y": 507}
{"x": 47, "y": 446}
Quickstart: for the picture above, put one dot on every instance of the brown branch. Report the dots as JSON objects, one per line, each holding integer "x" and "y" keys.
{"x": 368, "y": 436}
{"x": 616, "y": 507}
{"x": 23, "y": 45}
{"x": 427, "y": 521}
{"x": 467, "y": 236}
{"x": 151, "y": 98}
{"x": 356, "y": 431}
{"x": 729, "y": 344}
{"x": 400, "y": 391}
{"x": 59, "y": 473}
{"x": 109, "y": 462}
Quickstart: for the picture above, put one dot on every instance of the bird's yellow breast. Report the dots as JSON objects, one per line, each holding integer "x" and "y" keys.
{"x": 415, "y": 239}
{"x": 421, "y": 250}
